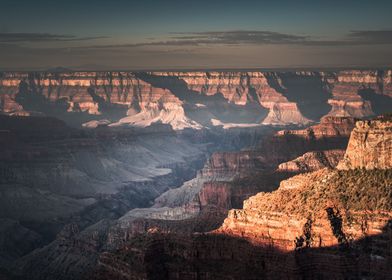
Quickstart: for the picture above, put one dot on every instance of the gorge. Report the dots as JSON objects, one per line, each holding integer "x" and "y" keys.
{"x": 195, "y": 175}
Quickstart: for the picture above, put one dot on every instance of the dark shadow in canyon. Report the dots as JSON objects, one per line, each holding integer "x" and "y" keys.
{"x": 37, "y": 152}
{"x": 31, "y": 96}
{"x": 213, "y": 106}
{"x": 381, "y": 104}
{"x": 217, "y": 256}
{"x": 309, "y": 92}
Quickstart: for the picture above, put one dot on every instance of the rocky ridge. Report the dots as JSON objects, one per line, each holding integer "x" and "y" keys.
{"x": 328, "y": 207}
{"x": 195, "y": 99}
{"x": 329, "y": 223}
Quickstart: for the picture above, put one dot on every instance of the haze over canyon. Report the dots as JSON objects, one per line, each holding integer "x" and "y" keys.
{"x": 195, "y": 140}
{"x": 137, "y": 175}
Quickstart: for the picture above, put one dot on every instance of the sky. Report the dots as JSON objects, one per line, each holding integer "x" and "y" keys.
{"x": 187, "y": 34}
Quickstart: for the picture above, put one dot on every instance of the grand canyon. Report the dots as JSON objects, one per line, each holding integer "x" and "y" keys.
{"x": 195, "y": 140}
{"x": 196, "y": 175}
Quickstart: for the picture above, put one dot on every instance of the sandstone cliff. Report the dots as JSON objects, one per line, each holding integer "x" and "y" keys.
{"x": 370, "y": 146}
{"x": 326, "y": 207}
{"x": 312, "y": 161}
{"x": 195, "y": 99}
{"x": 329, "y": 223}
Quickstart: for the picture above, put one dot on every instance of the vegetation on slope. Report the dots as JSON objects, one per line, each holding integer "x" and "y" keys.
{"x": 354, "y": 190}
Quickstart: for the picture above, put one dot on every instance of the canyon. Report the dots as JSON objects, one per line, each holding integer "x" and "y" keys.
{"x": 198, "y": 205}
{"x": 56, "y": 178}
{"x": 195, "y": 175}
{"x": 195, "y": 99}
{"x": 329, "y": 223}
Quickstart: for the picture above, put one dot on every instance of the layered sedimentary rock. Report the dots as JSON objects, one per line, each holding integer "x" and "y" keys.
{"x": 242, "y": 89}
{"x": 326, "y": 207}
{"x": 330, "y": 134}
{"x": 224, "y": 166}
{"x": 227, "y": 179}
{"x": 312, "y": 161}
{"x": 345, "y": 99}
{"x": 319, "y": 209}
{"x": 195, "y": 99}
{"x": 370, "y": 146}
{"x": 198, "y": 196}
{"x": 316, "y": 225}
{"x": 328, "y": 127}
{"x": 51, "y": 174}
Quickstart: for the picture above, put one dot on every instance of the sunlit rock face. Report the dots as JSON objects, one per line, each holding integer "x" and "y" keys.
{"x": 359, "y": 93}
{"x": 329, "y": 207}
{"x": 301, "y": 207}
{"x": 312, "y": 161}
{"x": 328, "y": 127}
{"x": 228, "y": 178}
{"x": 196, "y": 99}
{"x": 370, "y": 146}
{"x": 323, "y": 224}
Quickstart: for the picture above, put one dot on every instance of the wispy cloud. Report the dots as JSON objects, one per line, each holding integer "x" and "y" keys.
{"x": 235, "y": 37}
{"x": 6, "y": 37}
{"x": 216, "y": 38}
{"x": 254, "y": 37}
{"x": 240, "y": 37}
{"x": 371, "y": 37}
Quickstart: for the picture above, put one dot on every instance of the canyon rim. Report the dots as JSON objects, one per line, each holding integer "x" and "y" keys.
{"x": 195, "y": 140}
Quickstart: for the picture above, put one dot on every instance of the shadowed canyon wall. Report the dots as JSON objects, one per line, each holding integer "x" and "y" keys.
{"x": 195, "y": 99}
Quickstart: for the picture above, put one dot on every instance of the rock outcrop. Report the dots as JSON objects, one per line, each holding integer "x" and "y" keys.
{"x": 312, "y": 161}
{"x": 370, "y": 146}
{"x": 328, "y": 207}
{"x": 195, "y": 99}
{"x": 330, "y": 134}
{"x": 327, "y": 223}
{"x": 316, "y": 200}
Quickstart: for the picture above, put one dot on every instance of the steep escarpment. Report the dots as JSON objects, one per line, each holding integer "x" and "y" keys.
{"x": 312, "y": 161}
{"x": 330, "y": 134}
{"x": 359, "y": 93}
{"x": 326, "y": 208}
{"x": 228, "y": 178}
{"x": 325, "y": 224}
{"x": 329, "y": 202}
{"x": 313, "y": 224}
{"x": 370, "y": 146}
{"x": 246, "y": 89}
{"x": 195, "y": 99}
{"x": 52, "y": 175}
{"x": 74, "y": 189}
{"x": 211, "y": 256}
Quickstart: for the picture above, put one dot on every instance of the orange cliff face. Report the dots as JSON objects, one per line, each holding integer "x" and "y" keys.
{"x": 329, "y": 207}
{"x": 349, "y": 89}
{"x": 329, "y": 126}
{"x": 191, "y": 99}
{"x": 370, "y": 146}
{"x": 312, "y": 161}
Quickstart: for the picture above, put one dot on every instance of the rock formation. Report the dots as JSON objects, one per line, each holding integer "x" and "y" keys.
{"x": 329, "y": 208}
{"x": 195, "y": 99}
{"x": 312, "y": 161}
{"x": 316, "y": 200}
{"x": 370, "y": 146}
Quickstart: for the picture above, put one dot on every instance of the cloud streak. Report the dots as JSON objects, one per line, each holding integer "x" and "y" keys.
{"x": 211, "y": 38}
{"x": 6, "y": 37}
{"x": 243, "y": 37}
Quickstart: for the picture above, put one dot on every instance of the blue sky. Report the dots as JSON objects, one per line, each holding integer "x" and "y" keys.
{"x": 149, "y": 34}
